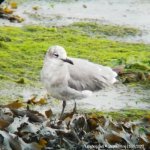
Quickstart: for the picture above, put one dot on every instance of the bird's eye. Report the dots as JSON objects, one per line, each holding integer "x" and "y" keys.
{"x": 56, "y": 55}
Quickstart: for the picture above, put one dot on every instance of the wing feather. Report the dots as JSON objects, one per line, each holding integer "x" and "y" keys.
{"x": 84, "y": 75}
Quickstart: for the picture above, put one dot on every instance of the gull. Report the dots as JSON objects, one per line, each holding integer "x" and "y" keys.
{"x": 67, "y": 78}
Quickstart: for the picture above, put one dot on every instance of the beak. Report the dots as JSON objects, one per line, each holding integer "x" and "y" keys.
{"x": 68, "y": 61}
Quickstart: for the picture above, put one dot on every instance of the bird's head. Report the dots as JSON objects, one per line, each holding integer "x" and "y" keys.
{"x": 57, "y": 53}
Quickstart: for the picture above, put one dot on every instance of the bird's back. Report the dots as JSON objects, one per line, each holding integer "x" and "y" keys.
{"x": 85, "y": 75}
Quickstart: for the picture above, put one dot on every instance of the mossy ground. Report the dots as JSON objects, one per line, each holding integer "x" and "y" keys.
{"x": 99, "y": 31}
{"x": 22, "y": 50}
{"x": 131, "y": 114}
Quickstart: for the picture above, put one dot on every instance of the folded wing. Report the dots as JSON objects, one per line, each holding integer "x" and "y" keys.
{"x": 84, "y": 75}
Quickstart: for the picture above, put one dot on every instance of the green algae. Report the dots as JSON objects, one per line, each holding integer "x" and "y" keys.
{"x": 103, "y": 31}
{"x": 21, "y": 81}
{"x": 131, "y": 114}
{"x": 22, "y": 50}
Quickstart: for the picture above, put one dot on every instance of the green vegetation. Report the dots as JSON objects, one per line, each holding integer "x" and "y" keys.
{"x": 22, "y": 50}
{"x": 99, "y": 31}
{"x": 131, "y": 114}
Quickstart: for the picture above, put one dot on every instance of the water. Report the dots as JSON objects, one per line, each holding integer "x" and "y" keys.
{"x": 113, "y": 98}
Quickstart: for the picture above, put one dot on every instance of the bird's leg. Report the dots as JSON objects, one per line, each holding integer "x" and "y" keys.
{"x": 75, "y": 107}
{"x": 63, "y": 107}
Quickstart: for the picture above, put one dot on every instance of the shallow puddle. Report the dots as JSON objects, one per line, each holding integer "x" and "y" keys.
{"x": 112, "y": 98}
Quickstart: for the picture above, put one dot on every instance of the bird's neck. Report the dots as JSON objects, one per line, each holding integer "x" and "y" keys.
{"x": 54, "y": 65}
{"x": 55, "y": 72}
{"x": 56, "y": 68}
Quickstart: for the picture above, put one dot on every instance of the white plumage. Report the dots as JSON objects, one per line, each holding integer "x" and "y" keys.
{"x": 72, "y": 78}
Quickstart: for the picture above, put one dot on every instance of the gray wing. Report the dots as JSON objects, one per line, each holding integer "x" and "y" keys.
{"x": 85, "y": 75}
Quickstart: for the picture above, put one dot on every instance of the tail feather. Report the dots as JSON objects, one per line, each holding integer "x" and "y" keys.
{"x": 109, "y": 74}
